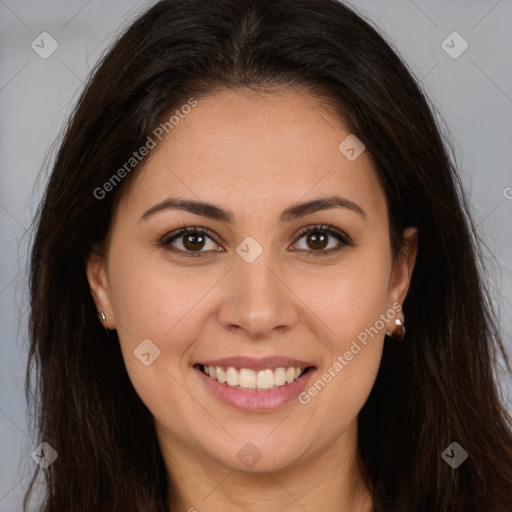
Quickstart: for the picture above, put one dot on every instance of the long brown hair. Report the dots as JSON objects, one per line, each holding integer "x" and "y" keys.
{"x": 435, "y": 389}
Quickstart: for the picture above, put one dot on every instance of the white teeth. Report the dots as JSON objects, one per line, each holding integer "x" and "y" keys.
{"x": 265, "y": 379}
{"x": 245, "y": 378}
{"x": 232, "y": 376}
{"x": 279, "y": 376}
{"x": 221, "y": 374}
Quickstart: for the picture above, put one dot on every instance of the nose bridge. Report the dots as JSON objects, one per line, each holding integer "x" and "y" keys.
{"x": 258, "y": 300}
{"x": 257, "y": 289}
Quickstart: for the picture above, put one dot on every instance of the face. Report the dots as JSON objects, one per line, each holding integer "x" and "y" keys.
{"x": 270, "y": 277}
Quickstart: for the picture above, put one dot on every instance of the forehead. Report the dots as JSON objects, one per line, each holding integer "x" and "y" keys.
{"x": 250, "y": 150}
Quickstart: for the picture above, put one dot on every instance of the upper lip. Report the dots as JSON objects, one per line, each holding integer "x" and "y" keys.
{"x": 257, "y": 364}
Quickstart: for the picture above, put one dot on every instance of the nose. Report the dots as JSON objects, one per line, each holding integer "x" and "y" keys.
{"x": 257, "y": 299}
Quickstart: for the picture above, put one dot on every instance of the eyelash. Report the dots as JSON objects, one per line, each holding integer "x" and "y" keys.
{"x": 329, "y": 230}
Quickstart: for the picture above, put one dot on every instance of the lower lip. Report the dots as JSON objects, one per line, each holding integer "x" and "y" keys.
{"x": 256, "y": 401}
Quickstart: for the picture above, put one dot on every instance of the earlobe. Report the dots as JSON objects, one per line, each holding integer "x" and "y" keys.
{"x": 404, "y": 265}
{"x": 98, "y": 284}
{"x": 401, "y": 280}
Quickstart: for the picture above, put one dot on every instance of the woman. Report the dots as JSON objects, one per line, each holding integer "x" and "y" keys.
{"x": 255, "y": 282}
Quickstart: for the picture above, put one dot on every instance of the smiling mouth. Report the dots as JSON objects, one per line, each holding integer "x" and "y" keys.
{"x": 254, "y": 380}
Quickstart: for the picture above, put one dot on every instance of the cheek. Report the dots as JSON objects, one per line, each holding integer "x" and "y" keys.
{"x": 154, "y": 301}
{"x": 350, "y": 306}
{"x": 349, "y": 299}
{"x": 150, "y": 295}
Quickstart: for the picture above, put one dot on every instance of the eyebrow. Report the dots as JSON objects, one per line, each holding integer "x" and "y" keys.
{"x": 213, "y": 212}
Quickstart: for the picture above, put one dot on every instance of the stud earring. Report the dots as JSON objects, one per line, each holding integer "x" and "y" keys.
{"x": 398, "y": 333}
{"x": 102, "y": 317}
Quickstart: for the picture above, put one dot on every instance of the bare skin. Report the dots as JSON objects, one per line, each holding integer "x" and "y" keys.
{"x": 254, "y": 155}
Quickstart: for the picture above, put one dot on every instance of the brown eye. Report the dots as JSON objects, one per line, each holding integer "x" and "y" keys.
{"x": 193, "y": 242}
{"x": 317, "y": 240}
{"x": 189, "y": 242}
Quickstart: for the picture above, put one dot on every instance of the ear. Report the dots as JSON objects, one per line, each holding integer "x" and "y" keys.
{"x": 98, "y": 284}
{"x": 403, "y": 266}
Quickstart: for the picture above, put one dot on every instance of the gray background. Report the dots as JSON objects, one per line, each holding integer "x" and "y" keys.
{"x": 473, "y": 95}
